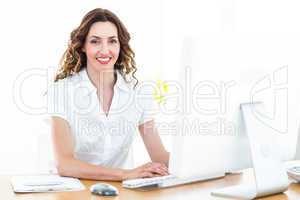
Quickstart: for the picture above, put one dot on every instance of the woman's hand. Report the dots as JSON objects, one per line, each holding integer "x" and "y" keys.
{"x": 147, "y": 170}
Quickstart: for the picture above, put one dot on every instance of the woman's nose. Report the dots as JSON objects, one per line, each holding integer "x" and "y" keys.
{"x": 104, "y": 48}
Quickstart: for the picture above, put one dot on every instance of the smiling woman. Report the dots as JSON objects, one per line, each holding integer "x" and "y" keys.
{"x": 44, "y": 39}
{"x": 104, "y": 48}
{"x": 86, "y": 41}
{"x": 95, "y": 105}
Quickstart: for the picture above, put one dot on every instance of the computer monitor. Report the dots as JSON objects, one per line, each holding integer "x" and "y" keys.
{"x": 220, "y": 71}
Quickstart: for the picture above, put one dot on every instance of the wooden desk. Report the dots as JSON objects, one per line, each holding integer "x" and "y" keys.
{"x": 200, "y": 190}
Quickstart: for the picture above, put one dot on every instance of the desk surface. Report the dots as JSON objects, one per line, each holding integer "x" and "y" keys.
{"x": 199, "y": 190}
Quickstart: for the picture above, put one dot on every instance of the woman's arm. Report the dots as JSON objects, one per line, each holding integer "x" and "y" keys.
{"x": 153, "y": 143}
{"x": 67, "y": 165}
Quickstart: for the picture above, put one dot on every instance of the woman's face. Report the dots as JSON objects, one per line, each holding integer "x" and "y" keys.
{"x": 102, "y": 46}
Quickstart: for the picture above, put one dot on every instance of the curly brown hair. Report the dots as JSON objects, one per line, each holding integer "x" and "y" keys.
{"x": 74, "y": 59}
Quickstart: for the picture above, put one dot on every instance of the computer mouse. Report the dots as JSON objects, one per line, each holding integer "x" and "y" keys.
{"x": 104, "y": 189}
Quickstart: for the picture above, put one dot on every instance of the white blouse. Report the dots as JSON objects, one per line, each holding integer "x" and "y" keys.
{"x": 100, "y": 139}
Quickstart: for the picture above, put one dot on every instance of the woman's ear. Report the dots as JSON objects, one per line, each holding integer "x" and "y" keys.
{"x": 83, "y": 49}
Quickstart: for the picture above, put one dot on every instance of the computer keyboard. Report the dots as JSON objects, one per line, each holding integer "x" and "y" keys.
{"x": 141, "y": 182}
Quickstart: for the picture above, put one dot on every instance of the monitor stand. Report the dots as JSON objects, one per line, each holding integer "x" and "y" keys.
{"x": 269, "y": 173}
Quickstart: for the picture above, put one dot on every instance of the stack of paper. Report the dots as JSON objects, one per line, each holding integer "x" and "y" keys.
{"x": 45, "y": 183}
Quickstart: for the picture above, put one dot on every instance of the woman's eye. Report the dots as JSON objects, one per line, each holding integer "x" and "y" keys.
{"x": 113, "y": 41}
{"x": 94, "y": 41}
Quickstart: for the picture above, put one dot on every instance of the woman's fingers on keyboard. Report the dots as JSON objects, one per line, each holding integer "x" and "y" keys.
{"x": 162, "y": 172}
{"x": 152, "y": 169}
{"x": 157, "y": 170}
{"x": 162, "y": 168}
{"x": 146, "y": 174}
